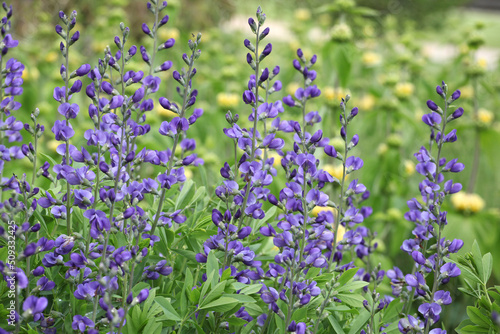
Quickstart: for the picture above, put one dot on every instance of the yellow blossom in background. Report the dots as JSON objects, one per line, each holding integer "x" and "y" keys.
{"x": 277, "y": 158}
{"x": 168, "y": 33}
{"x": 418, "y": 115}
{"x": 317, "y": 209}
{"x": 409, "y": 167}
{"x": 30, "y": 74}
{"x": 341, "y": 32}
{"x": 368, "y": 31}
{"x": 485, "y": 117}
{"x": 188, "y": 173}
{"x": 51, "y": 56}
{"x": 52, "y": 144}
{"x": 294, "y": 45}
{"x": 227, "y": 100}
{"x": 482, "y": 62}
{"x": 338, "y": 143}
{"x": 463, "y": 201}
{"x": 340, "y": 233}
{"x": 371, "y": 58}
{"x": 324, "y": 20}
{"x": 291, "y": 88}
{"x": 366, "y": 102}
{"x": 99, "y": 46}
{"x": 334, "y": 95}
{"x": 463, "y": 49}
{"x": 404, "y": 89}
{"x": 335, "y": 171}
{"x": 164, "y": 112}
{"x": 302, "y": 14}
{"x": 467, "y": 92}
{"x": 382, "y": 148}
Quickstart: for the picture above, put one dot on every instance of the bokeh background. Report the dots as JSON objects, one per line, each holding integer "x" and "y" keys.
{"x": 388, "y": 55}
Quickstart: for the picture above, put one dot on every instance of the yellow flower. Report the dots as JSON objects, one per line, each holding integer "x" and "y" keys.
{"x": 227, "y": 100}
{"x": 463, "y": 49}
{"x": 418, "y": 115}
{"x": 334, "y": 95}
{"x": 30, "y": 74}
{"x": 317, "y": 209}
{"x": 371, "y": 58}
{"x": 52, "y": 144}
{"x": 366, "y": 102}
{"x": 168, "y": 33}
{"x": 51, "y": 56}
{"x": 340, "y": 233}
{"x": 341, "y": 32}
{"x": 482, "y": 62}
{"x": 382, "y": 149}
{"x": 188, "y": 173}
{"x": 467, "y": 92}
{"x": 463, "y": 201}
{"x": 277, "y": 158}
{"x": 335, "y": 171}
{"x": 164, "y": 112}
{"x": 294, "y": 45}
{"x": 99, "y": 46}
{"x": 404, "y": 89}
{"x": 302, "y": 14}
{"x": 409, "y": 167}
{"x": 338, "y": 143}
{"x": 291, "y": 88}
{"x": 484, "y": 116}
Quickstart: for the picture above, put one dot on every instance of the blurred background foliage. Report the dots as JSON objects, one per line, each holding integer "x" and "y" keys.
{"x": 388, "y": 55}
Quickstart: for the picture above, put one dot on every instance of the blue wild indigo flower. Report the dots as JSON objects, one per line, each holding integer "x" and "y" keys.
{"x": 429, "y": 248}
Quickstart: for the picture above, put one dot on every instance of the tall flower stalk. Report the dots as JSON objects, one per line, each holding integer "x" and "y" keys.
{"x": 429, "y": 249}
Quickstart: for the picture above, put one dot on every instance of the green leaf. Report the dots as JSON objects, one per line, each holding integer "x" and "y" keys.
{"x": 149, "y": 301}
{"x": 393, "y": 310}
{"x": 352, "y": 286}
{"x": 335, "y": 325}
{"x": 478, "y": 262}
{"x": 477, "y": 317}
{"x": 168, "y": 309}
{"x": 487, "y": 262}
{"x": 351, "y": 299}
{"x": 185, "y": 195}
{"x": 467, "y": 274}
{"x": 300, "y": 314}
{"x": 199, "y": 192}
{"x": 152, "y": 326}
{"x": 190, "y": 255}
{"x": 241, "y": 298}
{"x": 216, "y": 292}
{"x": 250, "y": 289}
{"x": 222, "y": 304}
{"x": 312, "y": 272}
{"x": 474, "y": 329}
{"x": 347, "y": 276}
{"x": 206, "y": 285}
{"x": 251, "y": 325}
{"x": 213, "y": 267}
{"x": 359, "y": 321}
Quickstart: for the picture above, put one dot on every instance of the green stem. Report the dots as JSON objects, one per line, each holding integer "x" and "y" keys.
{"x": 254, "y": 139}
{"x": 174, "y": 147}
{"x": 340, "y": 209}
{"x": 436, "y": 203}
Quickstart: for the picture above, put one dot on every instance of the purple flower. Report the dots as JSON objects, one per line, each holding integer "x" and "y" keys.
{"x": 34, "y": 306}
{"x": 81, "y": 323}
{"x": 432, "y": 105}
{"x": 62, "y": 131}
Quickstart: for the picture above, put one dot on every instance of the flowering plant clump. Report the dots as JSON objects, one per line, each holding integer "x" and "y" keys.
{"x": 121, "y": 233}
